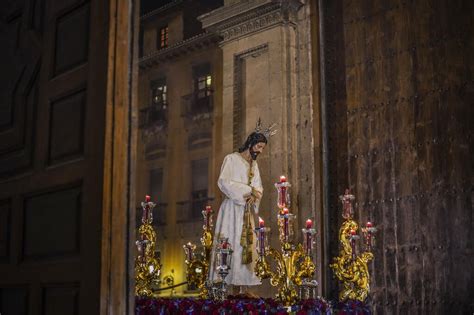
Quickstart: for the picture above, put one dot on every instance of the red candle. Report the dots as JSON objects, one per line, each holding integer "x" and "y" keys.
{"x": 353, "y": 233}
{"x": 225, "y": 245}
{"x": 282, "y": 198}
{"x": 208, "y": 209}
{"x": 285, "y": 223}
{"x": 309, "y": 243}
{"x": 369, "y": 235}
{"x": 261, "y": 236}
{"x": 309, "y": 237}
{"x": 146, "y": 209}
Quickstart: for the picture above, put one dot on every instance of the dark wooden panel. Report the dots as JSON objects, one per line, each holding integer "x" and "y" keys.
{"x": 72, "y": 39}
{"x": 52, "y": 224}
{"x": 67, "y": 127}
{"x": 61, "y": 299}
{"x": 36, "y": 13}
{"x": 13, "y": 300}
{"x": 11, "y": 72}
{"x": 10, "y": 9}
{"x": 18, "y": 99}
{"x": 17, "y": 143}
{"x": 5, "y": 217}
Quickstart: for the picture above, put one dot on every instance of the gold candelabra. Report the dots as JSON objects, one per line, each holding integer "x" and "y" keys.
{"x": 349, "y": 267}
{"x": 294, "y": 262}
{"x": 198, "y": 265}
{"x": 147, "y": 266}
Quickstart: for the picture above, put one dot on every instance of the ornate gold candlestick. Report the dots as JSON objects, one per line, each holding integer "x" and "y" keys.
{"x": 198, "y": 265}
{"x": 293, "y": 263}
{"x": 349, "y": 267}
{"x": 147, "y": 267}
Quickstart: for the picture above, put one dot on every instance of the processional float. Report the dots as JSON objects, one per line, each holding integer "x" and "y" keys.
{"x": 294, "y": 265}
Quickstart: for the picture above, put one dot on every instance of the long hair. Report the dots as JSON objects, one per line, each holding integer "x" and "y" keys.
{"x": 253, "y": 139}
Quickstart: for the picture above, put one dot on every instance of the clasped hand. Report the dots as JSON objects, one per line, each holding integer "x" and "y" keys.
{"x": 254, "y": 196}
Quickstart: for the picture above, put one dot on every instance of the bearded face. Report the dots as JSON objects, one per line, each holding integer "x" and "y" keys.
{"x": 256, "y": 150}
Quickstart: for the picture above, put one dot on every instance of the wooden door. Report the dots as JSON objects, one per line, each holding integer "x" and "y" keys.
{"x": 398, "y": 93}
{"x": 54, "y": 71}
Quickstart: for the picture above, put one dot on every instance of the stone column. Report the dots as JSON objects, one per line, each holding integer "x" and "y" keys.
{"x": 267, "y": 73}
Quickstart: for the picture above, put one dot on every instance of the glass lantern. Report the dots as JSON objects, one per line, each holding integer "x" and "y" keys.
{"x": 262, "y": 240}
{"x": 189, "y": 249}
{"x": 283, "y": 196}
{"x": 285, "y": 226}
{"x": 224, "y": 254}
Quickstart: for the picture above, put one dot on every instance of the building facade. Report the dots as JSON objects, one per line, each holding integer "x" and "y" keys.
{"x": 179, "y": 94}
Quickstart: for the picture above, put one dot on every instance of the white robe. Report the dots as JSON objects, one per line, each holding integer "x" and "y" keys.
{"x": 233, "y": 182}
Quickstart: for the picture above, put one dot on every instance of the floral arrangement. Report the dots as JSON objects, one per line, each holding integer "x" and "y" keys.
{"x": 353, "y": 307}
{"x": 232, "y": 305}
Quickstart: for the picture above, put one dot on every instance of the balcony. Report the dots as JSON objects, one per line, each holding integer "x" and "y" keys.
{"x": 197, "y": 108}
{"x": 197, "y": 113}
{"x": 153, "y": 121}
{"x": 191, "y": 210}
{"x": 153, "y": 116}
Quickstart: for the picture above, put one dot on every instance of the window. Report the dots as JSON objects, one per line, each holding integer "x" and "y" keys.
{"x": 199, "y": 199}
{"x": 158, "y": 93}
{"x": 162, "y": 41}
{"x": 204, "y": 86}
{"x": 202, "y": 80}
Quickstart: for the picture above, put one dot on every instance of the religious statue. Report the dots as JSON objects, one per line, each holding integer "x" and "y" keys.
{"x": 241, "y": 184}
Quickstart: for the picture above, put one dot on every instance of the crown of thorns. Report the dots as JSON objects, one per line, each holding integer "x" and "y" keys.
{"x": 267, "y": 132}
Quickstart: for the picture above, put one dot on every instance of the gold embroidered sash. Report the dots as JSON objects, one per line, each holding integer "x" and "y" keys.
{"x": 246, "y": 238}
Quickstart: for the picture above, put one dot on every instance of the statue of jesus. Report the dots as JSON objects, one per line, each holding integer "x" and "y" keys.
{"x": 241, "y": 184}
